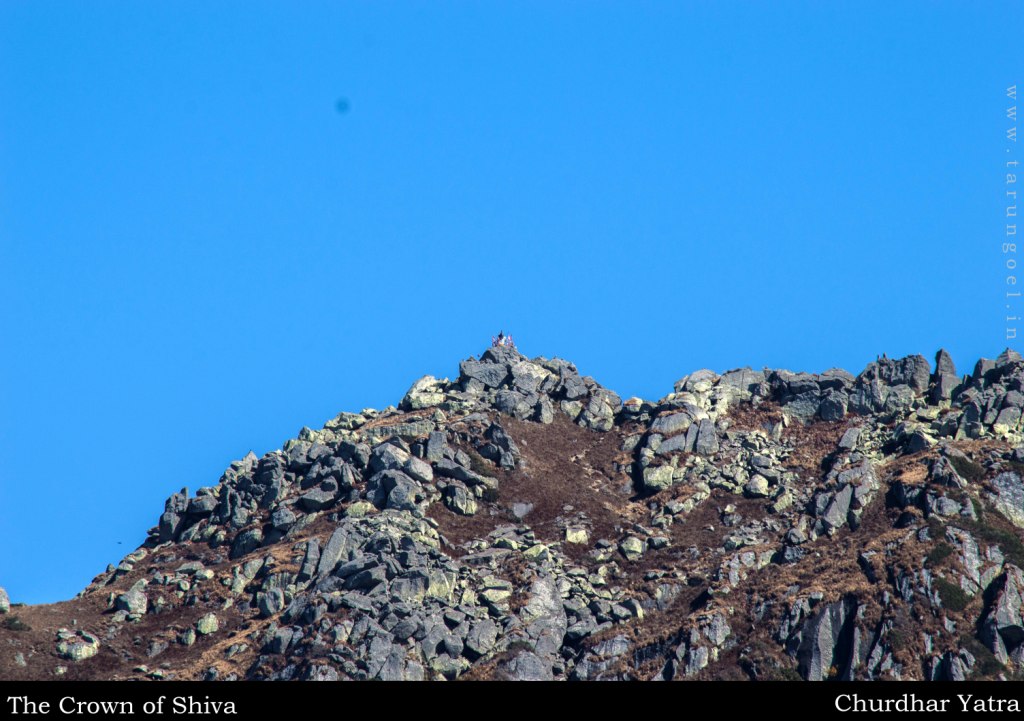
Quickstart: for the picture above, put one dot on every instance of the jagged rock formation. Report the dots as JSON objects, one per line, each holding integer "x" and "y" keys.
{"x": 523, "y": 522}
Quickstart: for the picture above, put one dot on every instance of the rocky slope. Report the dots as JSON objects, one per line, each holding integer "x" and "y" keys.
{"x": 523, "y": 522}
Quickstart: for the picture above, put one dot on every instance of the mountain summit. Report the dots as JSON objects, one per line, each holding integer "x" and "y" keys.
{"x": 524, "y": 522}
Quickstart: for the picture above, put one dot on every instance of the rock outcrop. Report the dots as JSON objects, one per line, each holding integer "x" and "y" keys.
{"x": 524, "y": 522}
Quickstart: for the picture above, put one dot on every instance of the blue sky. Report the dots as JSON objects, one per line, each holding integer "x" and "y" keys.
{"x": 221, "y": 222}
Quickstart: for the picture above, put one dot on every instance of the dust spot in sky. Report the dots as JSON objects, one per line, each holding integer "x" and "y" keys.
{"x": 341, "y": 106}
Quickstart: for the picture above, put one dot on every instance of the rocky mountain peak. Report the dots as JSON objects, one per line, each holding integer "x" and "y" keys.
{"x": 524, "y": 522}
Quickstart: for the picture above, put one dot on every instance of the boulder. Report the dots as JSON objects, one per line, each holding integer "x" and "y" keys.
{"x": 526, "y": 666}
{"x": 207, "y": 624}
{"x": 757, "y": 487}
{"x": 393, "y": 489}
{"x": 1009, "y": 497}
{"x": 707, "y": 439}
{"x": 669, "y": 425}
{"x": 529, "y": 378}
{"x": 270, "y": 602}
{"x": 944, "y": 380}
{"x": 828, "y": 643}
{"x": 458, "y": 498}
{"x": 76, "y": 645}
{"x": 424, "y": 393}
{"x": 133, "y": 602}
{"x": 316, "y": 500}
{"x": 657, "y": 478}
{"x": 833, "y": 405}
{"x": 1002, "y": 627}
{"x": 491, "y": 375}
{"x": 338, "y": 547}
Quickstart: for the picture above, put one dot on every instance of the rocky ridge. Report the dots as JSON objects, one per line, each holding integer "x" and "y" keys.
{"x": 523, "y": 522}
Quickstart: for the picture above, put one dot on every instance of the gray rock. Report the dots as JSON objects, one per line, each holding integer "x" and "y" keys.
{"x": 822, "y": 638}
{"x": 280, "y": 640}
{"x": 207, "y": 624}
{"x": 944, "y": 363}
{"x": 945, "y": 474}
{"x": 458, "y": 498}
{"x": 1013, "y": 399}
{"x": 202, "y": 505}
{"x": 393, "y": 489}
{"x": 1009, "y": 497}
{"x": 833, "y": 406}
{"x": 310, "y": 560}
{"x": 600, "y": 410}
{"x": 170, "y": 525}
{"x": 657, "y": 478}
{"x": 1009, "y": 417}
{"x": 528, "y": 377}
{"x": 504, "y": 355}
{"x": 424, "y": 393}
{"x": 519, "y": 509}
{"x": 134, "y": 602}
{"x": 246, "y": 542}
{"x": 1007, "y": 357}
{"x": 451, "y": 469}
{"x": 270, "y": 602}
{"x": 5, "y": 601}
{"x": 387, "y": 457}
{"x": 544, "y": 616}
{"x": 437, "y": 443}
{"x": 671, "y": 424}
{"x": 515, "y": 404}
{"x": 77, "y": 645}
{"x": 836, "y": 513}
{"x": 1002, "y": 628}
{"x": 944, "y": 379}
{"x": 367, "y": 579}
{"x": 849, "y": 440}
{"x": 481, "y": 639}
{"x": 757, "y": 487}
{"x": 544, "y": 412}
{"x": 805, "y": 405}
{"x": 745, "y": 379}
{"x": 316, "y": 500}
{"x": 418, "y": 470}
{"x": 491, "y": 375}
{"x": 673, "y": 444}
{"x": 283, "y": 518}
{"x": 707, "y": 439}
{"x": 527, "y": 666}
{"x": 338, "y": 547}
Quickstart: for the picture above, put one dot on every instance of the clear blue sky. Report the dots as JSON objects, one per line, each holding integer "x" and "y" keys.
{"x": 220, "y": 222}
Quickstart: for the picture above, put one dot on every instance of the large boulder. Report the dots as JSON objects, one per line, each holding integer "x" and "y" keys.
{"x": 829, "y": 643}
{"x": 944, "y": 380}
{"x": 427, "y": 392}
{"x": 1002, "y": 628}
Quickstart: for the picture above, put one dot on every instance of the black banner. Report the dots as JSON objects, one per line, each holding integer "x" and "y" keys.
{"x": 184, "y": 700}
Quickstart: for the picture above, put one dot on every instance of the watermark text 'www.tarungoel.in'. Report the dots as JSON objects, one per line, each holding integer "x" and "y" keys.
{"x": 1010, "y": 231}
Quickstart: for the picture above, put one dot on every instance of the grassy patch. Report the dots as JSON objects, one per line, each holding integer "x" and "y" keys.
{"x": 952, "y": 596}
{"x": 1001, "y": 533}
{"x": 13, "y": 623}
{"x": 938, "y": 554}
{"x": 479, "y": 464}
{"x": 968, "y": 469}
{"x": 784, "y": 673}
{"x": 986, "y": 662}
